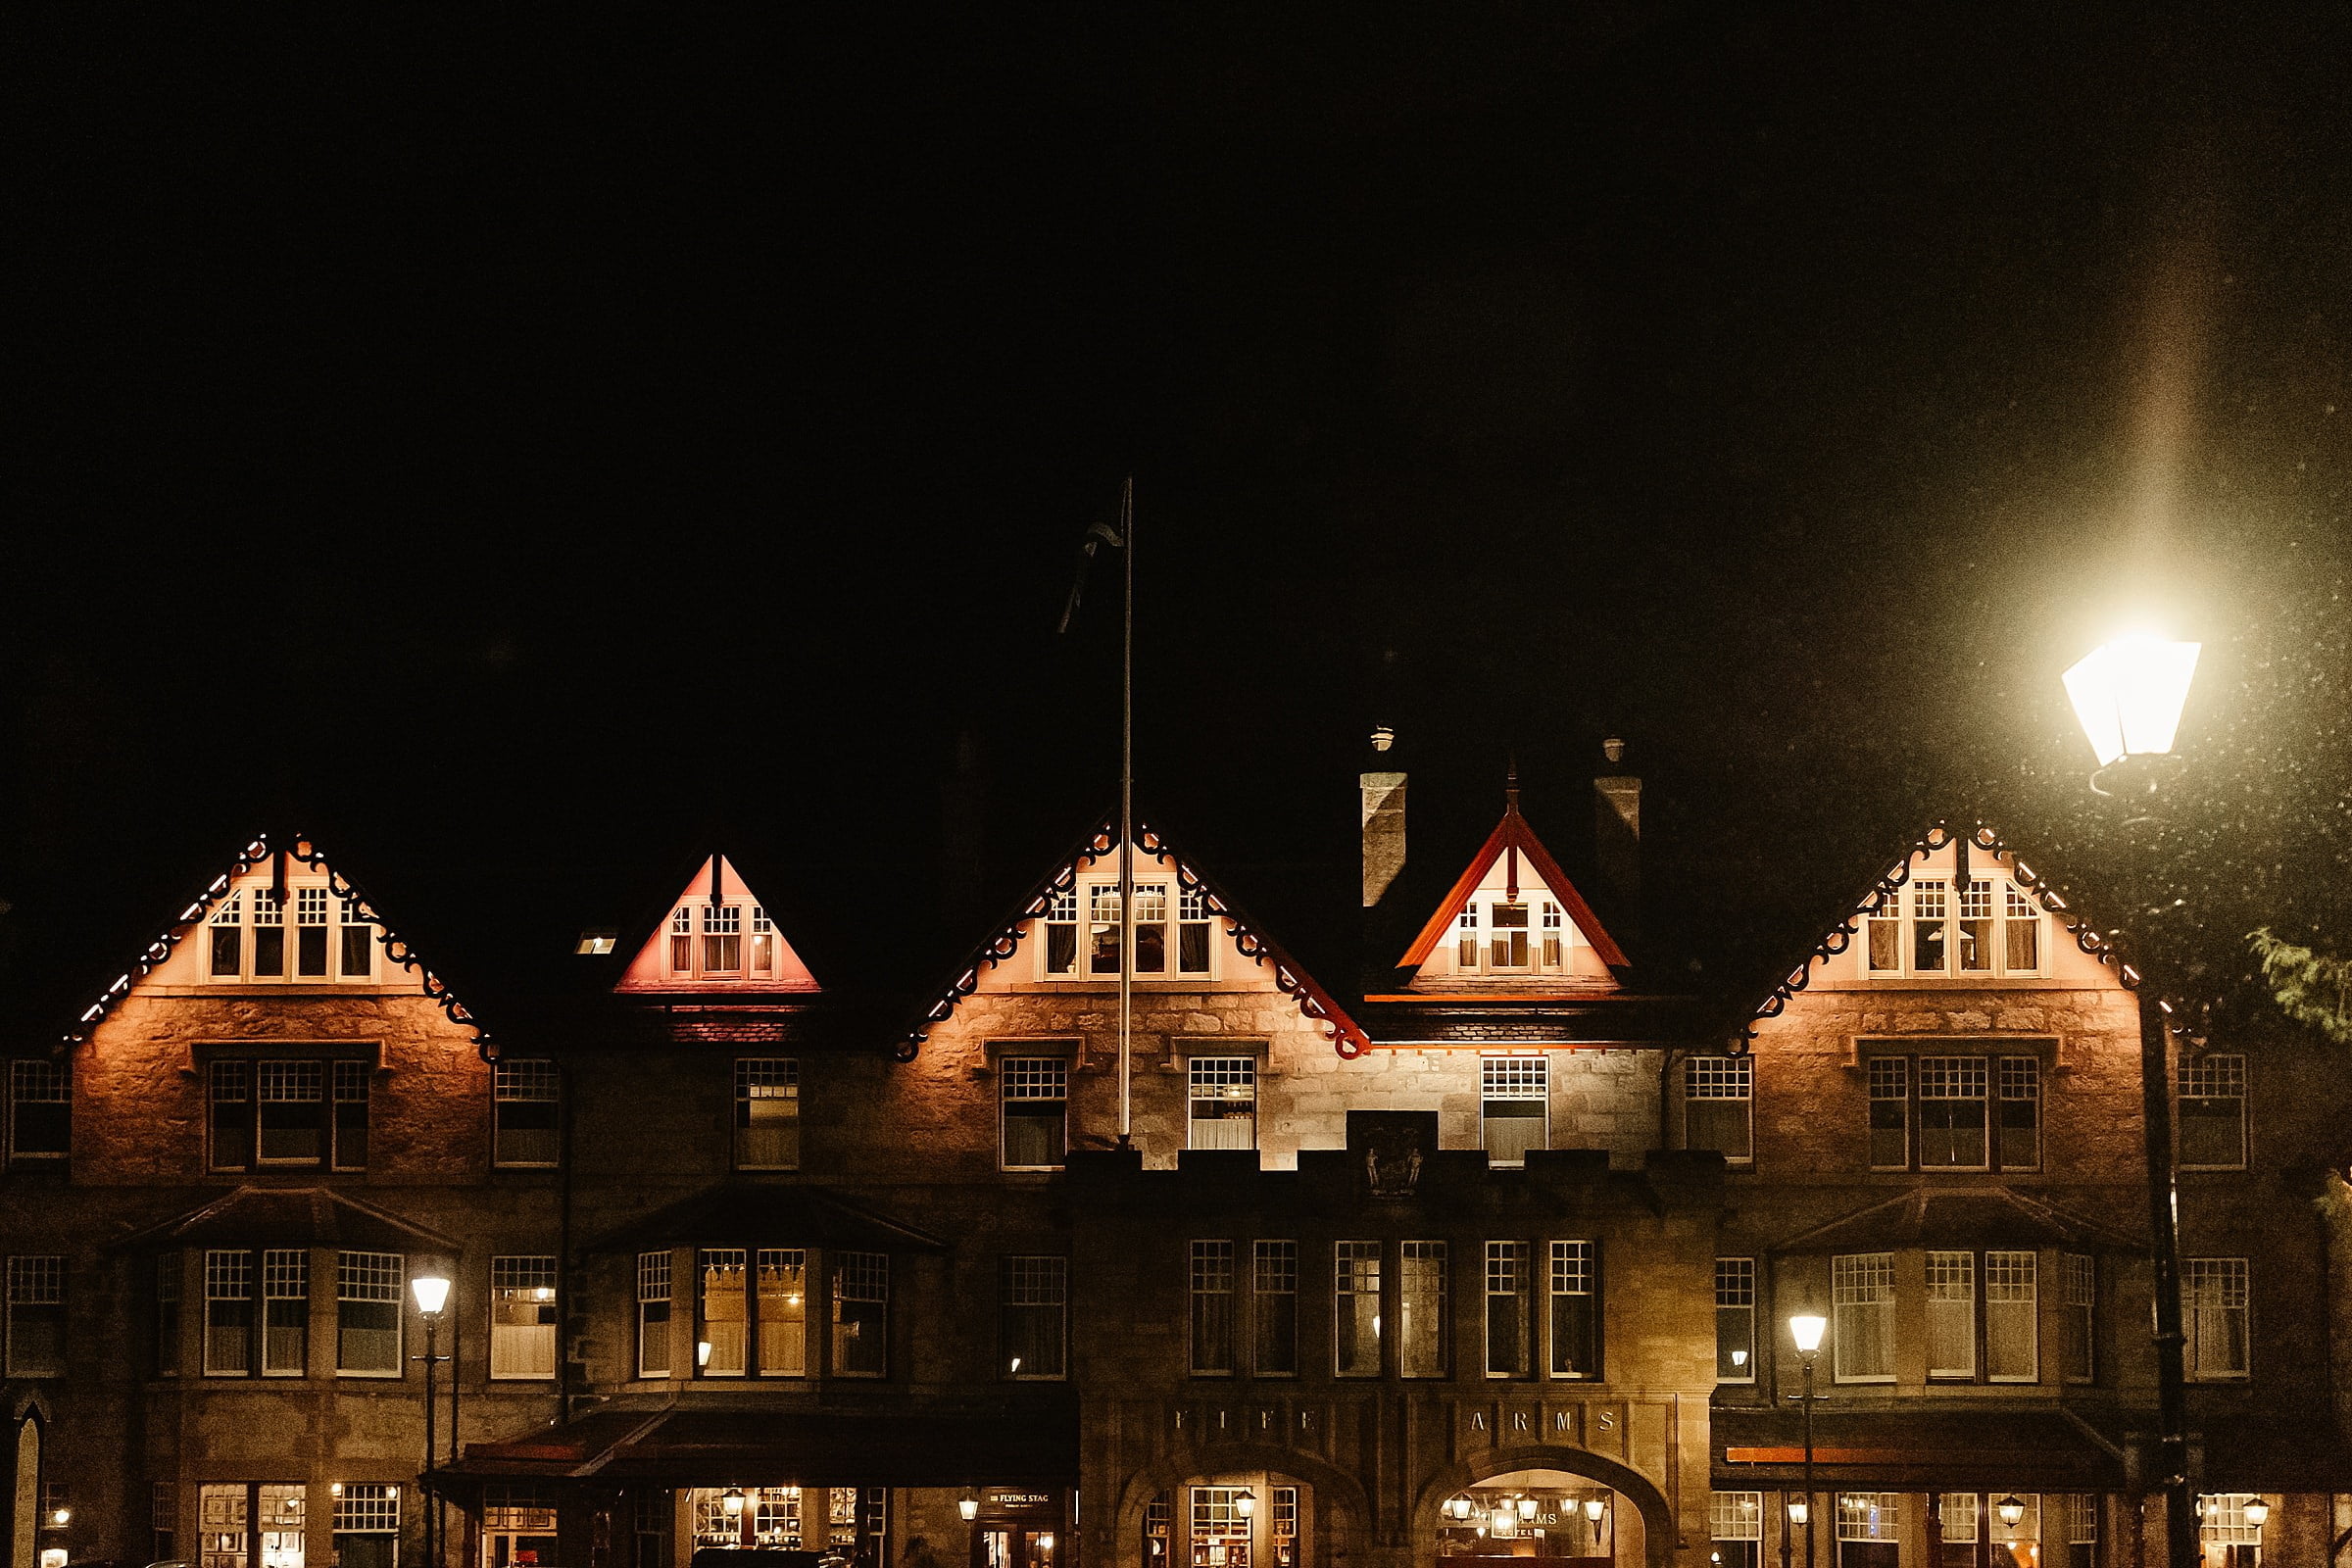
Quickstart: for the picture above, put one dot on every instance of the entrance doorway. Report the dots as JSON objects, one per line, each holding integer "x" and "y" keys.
{"x": 1535, "y": 1519}
{"x": 1019, "y": 1527}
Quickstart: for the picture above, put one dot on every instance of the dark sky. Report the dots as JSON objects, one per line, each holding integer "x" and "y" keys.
{"x": 573, "y": 432}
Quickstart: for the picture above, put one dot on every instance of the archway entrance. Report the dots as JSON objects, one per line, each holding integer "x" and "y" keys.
{"x": 1537, "y": 1518}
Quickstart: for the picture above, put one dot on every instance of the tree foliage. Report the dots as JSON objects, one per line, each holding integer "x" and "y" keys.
{"x": 2309, "y": 986}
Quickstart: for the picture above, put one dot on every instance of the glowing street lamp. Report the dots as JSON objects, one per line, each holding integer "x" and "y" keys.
{"x": 2257, "y": 1512}
{"x": 431, "y": 1291}
{"x": 1245, "y": 1504}
{"x": 1527, "y": 1507}
{"x": 2128, "y": 697}
{"x": 2011, "y": 1508}
{"x": 1805, "y": 1329}
{"x": 968, "y": 1507}
{"x": 1592, "y": 1509}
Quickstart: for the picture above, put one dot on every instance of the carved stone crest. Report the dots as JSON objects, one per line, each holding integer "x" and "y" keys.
{"x": 1392, "y": 1146}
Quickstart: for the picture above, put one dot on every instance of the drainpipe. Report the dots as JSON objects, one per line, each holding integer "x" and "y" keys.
{"x": 564, "y": 1266}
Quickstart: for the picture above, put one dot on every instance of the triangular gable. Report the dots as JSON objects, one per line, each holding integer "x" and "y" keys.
{"x": 1979, "y": 839}
{"x": 300, "y": 850}
{"x": 1512, "y": 835}
{"x": 1348, "y": 1037}
{"x": 712, "y": 899}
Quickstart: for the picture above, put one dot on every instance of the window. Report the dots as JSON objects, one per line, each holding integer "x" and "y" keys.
{"x": 1515, "y": 1106}
{"x": 1465, "y": 929}
{"x": 1036, "y": 1101}
{"x": 167, "y": 1315}
{"x": 1508, "y": 1314}
{"x": 1870, "y": 1529}
{"x": 653, "y": 1314}
{"x": 522, "y": 1317}
{"x": 163, "y": 1519}
{"x": 1735, "y": 1524}
{"x": 1223, "y": 1095}
{"x": 1889, "y": 1114}
{"x": 764, "y": 943}
{"x": 1961, "y": 1517}
{"x": 1951, "y": 1113}
{"x": 1031, "y": 1303}
{"x": 2231, "y": 1540}
{"x": 524, "y": 1131}
{"x": 2019, "y": 1545}
{"x": 2213, "y": 1299}
{"x": 860, "y": 1314}
{"x": 1283, "y": 1532}
{"x": 1506, "y": 935}
{"x": 335, "y": 937}
{"x": 681, "y": 940}
{"x": 1191, "y": 931}
{"x": 1102, "y": 928}
{"x": 276, "y": 1114}
{"x": 2012, "y": 1342}
{"x": 1975, "y": 928}
{"x": 1553, "y": 932}
{"x": 1061, "y": 931}
{"x": 1221, "y": 1529}
{"x": 1735, "y": 1320}
{"x": 780, "y": 1305}
{"x": 366, "y": 1509}
{"x": 1951, "y": 1314}
{"x": 39, "y": 1111}
{"x": 1718, "y": 1101}
{"x": 367, "y": 1288}
{"x": 1575, "y": 1311}
{"x": 2081, "y": 1529}
{"x": 2021, "y": 1113}
{"x": 722, "y": 938}
{"x": 2212, "y": 1113}
{"x": 227, "y": 1314}
{"x": 1212, "y": 1308}
{"x": 1862, "y": 1316}
{"x": 654, "y": 1520}
{"x": 722, "y": 1318}
{"x": 2081, "y": 1321}
{"x": 1355, "y": 1309}
{"x": 1274, "y": 1308}
{"x": 285, "y": 1312}
{"x": 768, "y": 1113}
{"x": 1421, "y": 1309}
{"x": 1955, "y": 1112}
{"x": 36, "y": 1317}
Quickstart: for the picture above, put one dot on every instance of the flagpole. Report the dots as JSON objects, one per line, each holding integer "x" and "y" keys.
{"x": 1127, "y": 826}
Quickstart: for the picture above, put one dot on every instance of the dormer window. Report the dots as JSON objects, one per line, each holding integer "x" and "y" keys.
{"x": 764, "y": 943}
{"x": 1506, "y": 948}
{"x": 245, "y": 939}
{"x": 681, "y": 941}
{"x": 1513, "y": 935}
{"x": 1938, "y": 927}
{"x": 706, "y": 941}
{"x": 1553, "y": 933}
{"x": 722, "y": 938}
{"x": 1466, "y": 931}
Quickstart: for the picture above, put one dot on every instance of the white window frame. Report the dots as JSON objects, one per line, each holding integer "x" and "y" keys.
{"x": 1574, "y": 1272}
{"x": 1736, "y": 1516}
{"x": 1032, "y": 1080}
{"x": 1220, "y": 1082}
{"x": 1162, "y": 901}
{"x": 1901, "y": 912}
{"x": 285, "y": 1276}
{"x": 1870, "y": 1516}
{"x": 2220, "y": 1287}
{"x": 1716, "y": 1079}
{"x": 655, "y": 1332}
{"x": 2216, "y": 1075}
{"x": 371, "y": 1279}
{"x": 1736, "y": 1292}
{"x": 2013, "y": 1292}
{"x": 524, "y": 1282}
{"x": 700, "y": 930}
{"x": 1952, "y": 1315}
{"x": 766, "y": 1081}
{"x": 1509, "y": 1277}
{"x": 312, "y": 904}
{"x": 1861, "y": 1283}
{"x": 862, "y": 1278}
{"x": 1516, "y": 1079}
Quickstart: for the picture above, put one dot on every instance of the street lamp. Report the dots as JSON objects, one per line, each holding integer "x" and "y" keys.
{"x": 2257, "y": 1512}
{"x": 2128, "y": 697}
{"x": 1805, "y": 1329}
{"x": 968, "y": 1507}
{"x": 431, "y": 1291}
{"x": 2011, "y": 1508}
{"x": 1245, "y": 1504}
{"x": 1527, "y": 1507}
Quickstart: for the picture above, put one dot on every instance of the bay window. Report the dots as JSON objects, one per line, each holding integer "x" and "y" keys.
{"x": 1951, "y": 1314}
{"x": 2012, "y": 1340}
{"x": 860, "y": 1314}
{"x": 1862, "y": 1317}
{"x": 285, "y": 1312}
{"x": 752, "y": 1314}
{"x": 723, "y": 1313}
{"x": 228, "y": 1313}
{"x": 780, "y": 1307}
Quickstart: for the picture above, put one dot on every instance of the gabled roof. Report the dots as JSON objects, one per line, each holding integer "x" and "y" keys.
{"x": 1513, "y": 836}
{"x": 1980, "y": 839}
{"x": 295, "y": 847}
{"x": 712, "y": 880}
{"x": 1346, "y": 1035}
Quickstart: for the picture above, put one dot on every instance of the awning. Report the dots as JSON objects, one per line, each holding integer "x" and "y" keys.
{"x": 290, "y": 1216}
{"x": 749, "y": 1214}
{"x": 1035, "y": 1445}
{"x": 1922, "y": 1450}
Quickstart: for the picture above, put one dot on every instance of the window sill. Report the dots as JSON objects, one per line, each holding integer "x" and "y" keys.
{"x": 367, "y": 1377}
{"x": 1851, "y": 1383}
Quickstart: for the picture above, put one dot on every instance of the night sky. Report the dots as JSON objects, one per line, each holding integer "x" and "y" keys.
{"x": 574, "y": 439}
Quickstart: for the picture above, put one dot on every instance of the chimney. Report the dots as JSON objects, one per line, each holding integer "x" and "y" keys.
{"x": 1383, "y": 821}
{"x": 1617, "y": 831}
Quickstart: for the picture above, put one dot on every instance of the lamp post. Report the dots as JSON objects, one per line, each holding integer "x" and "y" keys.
{"x": 1805, "y": 1329}
{"x": 2128, "y": 697}
{"x": 432, "y": 1293}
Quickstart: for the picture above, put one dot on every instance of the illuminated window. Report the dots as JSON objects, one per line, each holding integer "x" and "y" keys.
{"x": 1355, "y": 1309}
{"x": 1506, "y": 935}
{"x": 1421, "y": 1316}
{"x": 722, "y": 1320}
{"x": 368, "y": 1313}
{"x": 2214, "y": 1295}
{"x": 681, "y": 940}
{"x": 1735, "y": 1524}
{"x": 245, "y": 937}
{"x": 1554, "y": 935}
{"x": 1061, "y": 931}
{"x": 1862, "y": 1316}
{"x": 1221, "y": 1531}
{"x": 39, "y": 1111}
{"x": 1172, "y": 934}
{"x": 522, "y": 1316}
{"x": 764, "y": 943}
{"x": 1465, "y": 931}
{"x": 722, "y": 938}
{"x": 1222, "y": 1092}
{"x": 1941, "y": 926}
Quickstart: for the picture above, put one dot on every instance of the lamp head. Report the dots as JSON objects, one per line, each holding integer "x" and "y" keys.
{"x": 62, "y": 1518}
{"x": 1527, "y": 1507}
{"x": 1738, "y": 1358}
{"x": 431, "y": 1291}
{"x": 2127, "y": 696}
{"x": 1806, "y": 1329}
{"x": 701, "y": 1352}
{"x": 1245, "y": 1504}
{"x": 2011, "y": 1508}
{"x": 969, "y": 1508}
{"x": 731, "y": 1499}
{"x": 1799, "y": 1510}
{"x": 2257, "y": 1512}
{"x": 1592, "y": 1509}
